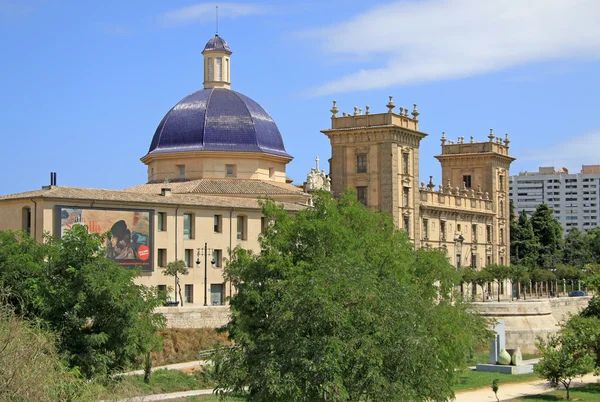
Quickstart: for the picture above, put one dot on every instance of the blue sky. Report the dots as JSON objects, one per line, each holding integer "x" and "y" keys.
{"x": 84, "y": 84}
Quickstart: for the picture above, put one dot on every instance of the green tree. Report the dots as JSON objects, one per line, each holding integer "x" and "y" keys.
{"x": 21, "y": 263}
{"x": 103, "y": 321}
{"x": 548, "y": 233}
{"x": 524, "y": 246}
{"x": 337, "y": 306}
{"x": 519, "y": 274}
{"x": 174, "y": 269}
{"x": 30, "y": 368}
{"x": 594, "y": 243}
{"x": 577, "y": 251}
{"x": 563, "y": 359}
{"x": 499, "y": 273}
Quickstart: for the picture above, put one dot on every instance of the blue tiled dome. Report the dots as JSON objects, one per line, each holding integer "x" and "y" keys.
{"x": 217, "y": 119}
{"x": 217, "y": 43}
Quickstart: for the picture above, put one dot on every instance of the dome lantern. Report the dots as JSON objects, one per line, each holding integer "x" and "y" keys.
{"x": 217, "y": 63}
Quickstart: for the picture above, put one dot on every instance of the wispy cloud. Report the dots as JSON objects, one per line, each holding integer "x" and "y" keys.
{"x": 426, "y": 40}
{"x": 572, "y": 151}
{"x": 206, "y": 11}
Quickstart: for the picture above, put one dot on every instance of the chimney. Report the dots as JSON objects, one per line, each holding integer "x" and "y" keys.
{"x": 165, "y": 192}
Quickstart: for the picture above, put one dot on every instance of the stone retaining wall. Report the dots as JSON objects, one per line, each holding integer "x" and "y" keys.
{"x": 526, "y": 320}
{"x": 196, "y": 316}
{"x": 563, "y": 306}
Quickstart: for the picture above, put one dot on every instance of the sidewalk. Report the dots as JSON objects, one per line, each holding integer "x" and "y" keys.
{"x": 511, "y": 391}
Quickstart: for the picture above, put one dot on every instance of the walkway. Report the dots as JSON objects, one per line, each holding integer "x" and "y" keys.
{"x": 505, "y": 392}
{"x": 516, "y": 390}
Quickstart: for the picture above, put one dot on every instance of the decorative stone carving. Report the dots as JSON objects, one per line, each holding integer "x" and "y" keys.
{"x": 391, "y": 105}
{"x": 334, "y": 110}
{"x": 316, "y": 180}
{"x": 415, "y": 113}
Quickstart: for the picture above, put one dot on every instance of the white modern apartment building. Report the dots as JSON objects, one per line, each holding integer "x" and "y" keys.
{"x": 573, "y": 197}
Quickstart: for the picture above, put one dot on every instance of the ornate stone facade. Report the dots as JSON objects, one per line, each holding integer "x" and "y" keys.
{"x": 378, "y": 156}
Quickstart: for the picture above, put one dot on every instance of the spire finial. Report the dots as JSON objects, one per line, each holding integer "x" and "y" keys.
{"x": 217, "y": 8}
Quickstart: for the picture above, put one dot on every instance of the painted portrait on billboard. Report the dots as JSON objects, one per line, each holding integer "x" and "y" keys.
{"x": 128, "y": 241}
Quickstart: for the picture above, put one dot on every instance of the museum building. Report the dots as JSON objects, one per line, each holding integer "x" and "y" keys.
{"x": 212, "y": 156}
{"x": 217, "y": 151}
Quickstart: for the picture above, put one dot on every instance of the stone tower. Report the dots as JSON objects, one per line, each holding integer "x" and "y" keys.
{"x": 482, "y": 166}
{"x": 377, "y": 155}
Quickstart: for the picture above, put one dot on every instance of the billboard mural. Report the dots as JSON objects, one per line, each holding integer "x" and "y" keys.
{"x": 129, "y": 241}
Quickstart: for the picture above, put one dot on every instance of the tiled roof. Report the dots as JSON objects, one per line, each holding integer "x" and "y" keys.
{"x": 191, "y": 199}
{"x": 217, "y": 43}
{"x": 222, "y": 186}
{"x": 217, "y": 119}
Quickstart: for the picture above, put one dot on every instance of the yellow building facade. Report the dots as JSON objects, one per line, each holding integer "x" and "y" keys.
{"x": 466, "y": 215}
{"x": 213, "y": 155}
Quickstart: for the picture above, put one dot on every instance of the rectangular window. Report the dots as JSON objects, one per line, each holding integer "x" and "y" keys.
{"x": 26, "y": 222}
{"x": 271, "y": 173}
{"x": 219, "y": 69}
{"x": 162, "y": 257}
{"x": 230, "y": 170}
{"x": 442, "y": 230}
{"x": 488, "y": 233}
{"x": 218, "y": 258}
{"x": 458, "y": 257}
{"x": 501, "y": 182}
{"x": 405, "y": 196}
{"x": 264, "y": 223}
{"x": 217, "y": 297}
{"x": 501, "y": 260}
{"x": 361, "y": 163}
{"x": 473, "y": 260}
{"x": 188, "y": 232}
{"x": 407, "y": 224}
{"x": 162, "y": 221}
{"x": 227, "y": 69}
{"x": 425, "y": 229}
{"x": 189, "y": 257}
{"x": 218, "y": 223}
{"x": 458, "y": 227}
{"x": 501, "y": 235}
{"x": 474, "y": 232}
{"x": 405, "y": 157}
{"x": 180, "y": 171}
{"x": 162, "y": 289}
{"x": 467, "y": 181}
{"x": 241, "y": 228}
{"x": 361, "y": 195}
{"x": 189, "y": 293}
{"x": 489, "y": 260}
{"x": 210, "y": 69}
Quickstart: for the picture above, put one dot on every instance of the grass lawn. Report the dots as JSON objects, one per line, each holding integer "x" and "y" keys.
{"x": 589, "y": 392}
{"x": 161, "y": 382}
{"x": 470, "y": 380}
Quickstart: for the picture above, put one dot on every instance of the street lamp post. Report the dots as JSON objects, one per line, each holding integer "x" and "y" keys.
{"x": 205, "y": 253}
